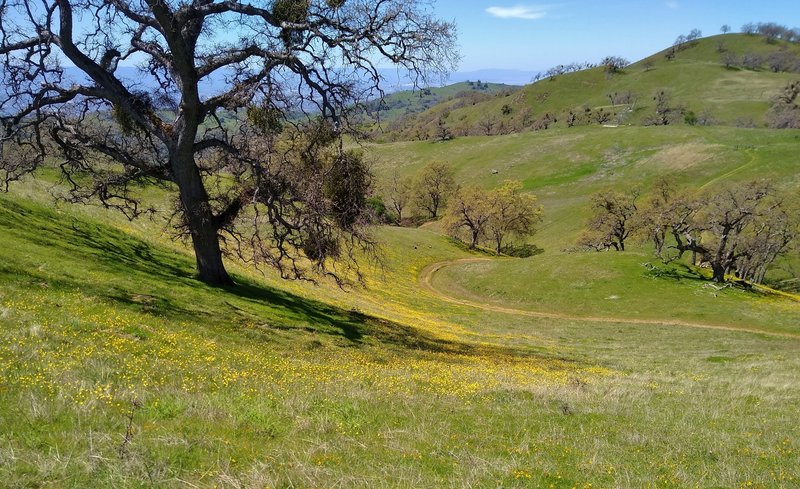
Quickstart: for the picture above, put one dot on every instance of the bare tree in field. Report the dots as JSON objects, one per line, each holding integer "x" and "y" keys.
{"x": 740, "y": 228}
{"x": 433, "y": 186}
{"x": 285, "y": 193}
{"x": 514, "y": 214}
{"x": 612, "y": 221}
{"x": 399, "y": 194}
{"x": 469, "y": 210}
{"x": 492, "y": 214}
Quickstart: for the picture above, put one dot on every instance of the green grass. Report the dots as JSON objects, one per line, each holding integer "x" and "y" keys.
{"x": 407, "y": 102}
{"x": 291, "y": 385}
{"x": 565, "y": 166}
{"x": 696, "y": 79}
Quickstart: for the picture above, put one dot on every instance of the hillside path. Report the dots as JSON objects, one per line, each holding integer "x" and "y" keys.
{"x": 426, "y": 281}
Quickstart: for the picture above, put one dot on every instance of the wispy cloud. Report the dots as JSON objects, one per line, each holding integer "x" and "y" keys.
{"x": 532, "y": 12}
{"x": 673, "y": 4}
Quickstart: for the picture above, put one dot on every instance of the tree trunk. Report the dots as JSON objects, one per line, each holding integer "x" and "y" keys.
{"x": 208, "y": 255}
{"x": 201, "y": 221}
{"x": 474, "y": 243}
{"x": 718, "y": 272}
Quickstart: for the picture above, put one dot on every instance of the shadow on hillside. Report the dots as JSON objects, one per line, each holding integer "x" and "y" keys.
{"x": 97, "y": 260}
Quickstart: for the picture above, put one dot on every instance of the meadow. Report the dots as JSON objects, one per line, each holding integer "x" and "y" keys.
{"x": 446, "y": 368}
{"x": 120, "y": 369}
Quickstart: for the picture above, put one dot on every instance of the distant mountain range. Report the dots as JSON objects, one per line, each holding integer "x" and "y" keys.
{"x": 394, "y": 80}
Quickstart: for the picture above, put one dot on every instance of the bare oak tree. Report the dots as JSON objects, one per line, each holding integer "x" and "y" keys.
{"x": 399, "y": 195}
{"x": 295, "y": 188}
{"x": 469, "y": 210}
{"x": 513, "y": 213}
{"x": 432, "y": 187}
{"x": 612, "y": 221}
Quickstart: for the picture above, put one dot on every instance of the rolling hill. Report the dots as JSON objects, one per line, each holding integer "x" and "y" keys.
{"x": 696, "y": 79}
{"x": 449, "y": 368}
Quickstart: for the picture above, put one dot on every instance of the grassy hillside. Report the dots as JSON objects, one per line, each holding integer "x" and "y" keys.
{"x": 117, "y": 368}
{"x": 565, "y": 166}
{"x": 697, "y": 80}
{"x": 408, "y": 102}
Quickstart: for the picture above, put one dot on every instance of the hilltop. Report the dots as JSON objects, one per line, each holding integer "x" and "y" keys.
{"x": 695, "y": 78}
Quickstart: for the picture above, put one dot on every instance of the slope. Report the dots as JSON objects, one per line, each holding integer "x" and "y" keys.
{"x": 696, "y": 79}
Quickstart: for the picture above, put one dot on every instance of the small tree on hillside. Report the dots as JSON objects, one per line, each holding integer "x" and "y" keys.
{"x": 432, "y": 187}
{"x": 468, "y": 211}
{"x": 612, "y": 221}
{"x": 725, "y": 28}
{"x": 399, "y": 195}
{"x": 614, "y": 64}
{"x": 513, "y": 213}
{"x": 665, "y": 113}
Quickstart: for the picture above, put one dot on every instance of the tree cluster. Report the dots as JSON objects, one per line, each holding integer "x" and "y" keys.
{"x": 492, "y": 215}
{"x": 772, "y": 31}
{"x": 739, "y": 229}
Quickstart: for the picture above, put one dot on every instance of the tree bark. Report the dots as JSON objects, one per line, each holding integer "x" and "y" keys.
{"x": 718, "y": 273}
{"x": 200, "y": 219}
{"x": 210, "y": 268}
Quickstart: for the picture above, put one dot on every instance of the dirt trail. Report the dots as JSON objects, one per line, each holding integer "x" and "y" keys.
{"x": 426, "y": 281}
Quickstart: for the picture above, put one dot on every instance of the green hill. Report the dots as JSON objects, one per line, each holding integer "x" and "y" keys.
{"x": 696, "y": 79}
{"x": 406, "y": 103}
{"x": 448, "y": 369}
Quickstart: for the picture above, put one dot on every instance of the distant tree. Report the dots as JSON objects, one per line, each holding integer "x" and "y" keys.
{"x": 443, "y": 132}
{"x": 601, "y": 116}
{"x": 572, "y": 119}
{"x": 771, "y": 31}
{"x": 730, "y": 60}
{"x": 665, "y": 113}
{"x": 624, "y": 97}
{"x": 752, "y": 61}
{"x": 487, "y": 124}
{"x": 725, "y": 28}
{"x": 749, "y": 28}
{"x": 680, "y": 42}
{"x": 433, "y": 186}
{"x": 399, "y": 194}
{"x": 706, "y": 118}
{"x": 544, "y": 122}
{"x": 613, "y": 220}
{"x": 694, "y": 35}
{"x": 468, "y": 211}
{"x": 782, "y": 60}
{"x": 648, "y": 64}
{"x": 614, "y": 64}
{"x": 513, "y": 213}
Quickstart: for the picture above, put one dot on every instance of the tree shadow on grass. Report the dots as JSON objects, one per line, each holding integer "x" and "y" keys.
{"x": 98, "y": 260}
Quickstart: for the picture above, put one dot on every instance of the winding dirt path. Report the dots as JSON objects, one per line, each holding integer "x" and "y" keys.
{"x": 426, "y": 282}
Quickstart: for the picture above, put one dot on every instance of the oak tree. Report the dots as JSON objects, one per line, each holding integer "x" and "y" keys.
{"x": 285, "y": 193}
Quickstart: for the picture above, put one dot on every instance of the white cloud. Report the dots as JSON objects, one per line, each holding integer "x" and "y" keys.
{"x": 518, "y": 12}
{"x": 673, "y": 4}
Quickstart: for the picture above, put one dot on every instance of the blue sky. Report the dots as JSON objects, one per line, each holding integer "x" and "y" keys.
{"x": 509, "y": 34}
